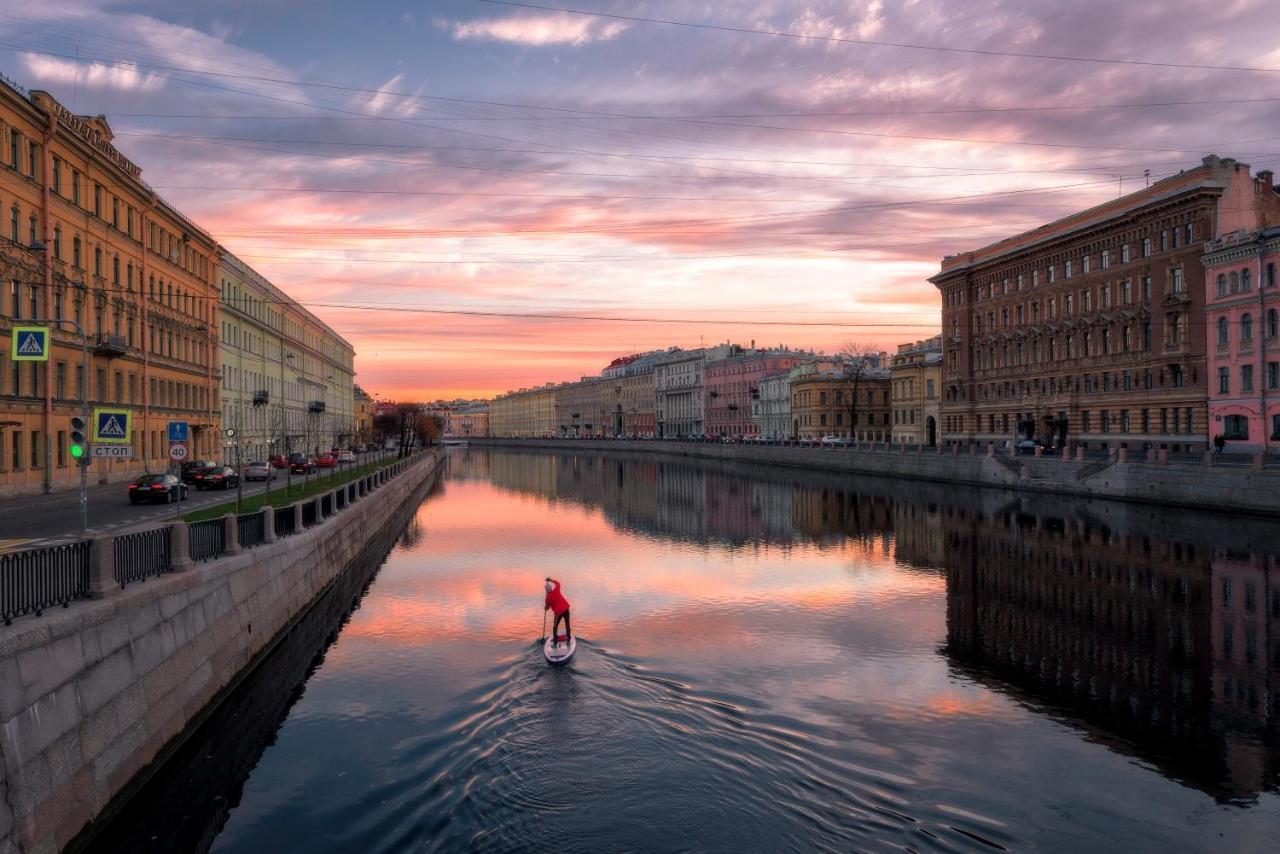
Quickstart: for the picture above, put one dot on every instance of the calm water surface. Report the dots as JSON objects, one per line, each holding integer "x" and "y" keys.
{"x": 772, "y": 661}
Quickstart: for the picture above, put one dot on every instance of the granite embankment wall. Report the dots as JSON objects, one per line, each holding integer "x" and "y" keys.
{"x": 92, "y": 695}
{"x": 1204, "y": 486}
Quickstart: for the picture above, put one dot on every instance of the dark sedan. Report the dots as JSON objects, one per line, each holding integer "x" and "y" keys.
{"x": 218, "y": 477}
{"x": 156, "y": 488}
{"x": 195, "y": 467}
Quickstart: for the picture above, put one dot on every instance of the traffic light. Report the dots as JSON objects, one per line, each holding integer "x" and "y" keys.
{"x": 79, "y": 439}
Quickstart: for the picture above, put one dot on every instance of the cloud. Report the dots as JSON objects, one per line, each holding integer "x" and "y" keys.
{"x": 538, "y": 30}
{"x": 91, "y": 75}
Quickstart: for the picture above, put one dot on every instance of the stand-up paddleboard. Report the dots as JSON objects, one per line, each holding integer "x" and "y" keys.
{"x": 557, "y": 651}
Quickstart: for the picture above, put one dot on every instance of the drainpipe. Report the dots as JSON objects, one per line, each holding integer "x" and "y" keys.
{"x": 1262, "y": 350}
{"x": 47, "y": 168}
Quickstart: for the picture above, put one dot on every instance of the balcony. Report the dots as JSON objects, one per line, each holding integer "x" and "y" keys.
{"x": 315, "y": 406}
{"x": 111, "y": 346}
{"x": 261, "y": 398}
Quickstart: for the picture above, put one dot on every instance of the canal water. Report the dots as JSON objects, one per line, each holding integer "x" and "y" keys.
{"x": 768, "y": 660}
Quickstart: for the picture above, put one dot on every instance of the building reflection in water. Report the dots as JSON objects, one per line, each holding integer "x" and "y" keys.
{"x": 1155, "y": 631}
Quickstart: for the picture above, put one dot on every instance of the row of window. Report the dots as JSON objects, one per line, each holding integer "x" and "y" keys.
{"x": 1122, "y": 294}
{"x": 1090, "y": 384}
{"x": 1236, "y": 427}
{"x": 1052, "y": 349}
{"x": 1241, "y": 281}
{"x": 837, "y": 419}
{"x": 1169, "y": 420}
{"x": 1272, "y": 328}
{"x": 1169, "y": 239}
{"x": 18, "y": 381}
{"x": 1246, "y": 378}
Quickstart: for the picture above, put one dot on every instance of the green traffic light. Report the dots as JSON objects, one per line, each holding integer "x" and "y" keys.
{"x": 77, "y": 451}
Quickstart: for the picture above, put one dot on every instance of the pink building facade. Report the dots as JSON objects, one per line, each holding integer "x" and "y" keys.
{"x": 728, "y": 386}
{"x": 1242, "y": 313}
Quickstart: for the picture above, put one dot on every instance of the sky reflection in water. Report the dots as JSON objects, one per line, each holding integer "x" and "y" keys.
{"x": 765, "y": 665}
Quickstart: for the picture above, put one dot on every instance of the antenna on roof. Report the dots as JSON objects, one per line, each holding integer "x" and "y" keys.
{"x": 1146, "y": 173}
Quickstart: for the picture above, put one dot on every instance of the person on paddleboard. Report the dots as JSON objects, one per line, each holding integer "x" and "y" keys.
{"x": 558, "y": 605}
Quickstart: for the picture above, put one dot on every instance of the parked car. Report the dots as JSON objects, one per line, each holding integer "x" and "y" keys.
{"x": 346, "y": 456}
{"x": 301, "y": 463}
{"x": 278, "y": 461}
{"x": 258, "y": 471}
{"x": 194, "y": 467}
{"x": 218, "y": 477}
{"x": 1027, "y": 446}
{"x": 157, "y": 488}
{"x": 835, "y": 440}
{"x": 325, "y": 461}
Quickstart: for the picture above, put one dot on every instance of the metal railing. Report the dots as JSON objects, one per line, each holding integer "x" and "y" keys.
{"x": 33, "y": 580}
{"x": 141, "y": 555}
{"x": 250, "y": 530}
{"x": 206, "y": 540}
{"x": 286, "y": 522}
{"x": 326, "y": 505}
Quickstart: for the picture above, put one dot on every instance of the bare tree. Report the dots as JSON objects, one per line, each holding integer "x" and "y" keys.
{"x": 856, "y": 361}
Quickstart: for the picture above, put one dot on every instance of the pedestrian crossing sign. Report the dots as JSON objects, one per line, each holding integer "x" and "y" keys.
{"x": 30, "y": 344}
{"x": 112, "y": 426}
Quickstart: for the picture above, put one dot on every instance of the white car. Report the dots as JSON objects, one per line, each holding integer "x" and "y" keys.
{"x": 346, "y": 457}
{"x": 835, "y": 440}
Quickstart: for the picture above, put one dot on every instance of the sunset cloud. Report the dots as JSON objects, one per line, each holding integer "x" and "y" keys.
{"x": 538, "y": 30}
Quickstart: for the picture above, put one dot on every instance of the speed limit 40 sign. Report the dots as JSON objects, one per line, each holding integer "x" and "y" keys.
{"x": 178, "y": 452}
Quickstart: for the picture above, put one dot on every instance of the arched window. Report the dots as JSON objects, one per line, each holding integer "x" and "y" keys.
{"x": 1222, "y": 284}
{"x": 1223, "y": 335}
{"x": 1235, "y": 283}
{"x": 1246, "y": 280}
{"x": 1273, "y": 323}
{"x": 1246, "y": 329}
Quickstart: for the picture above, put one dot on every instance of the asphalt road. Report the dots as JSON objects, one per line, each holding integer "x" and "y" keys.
{"x": 40, "y": 520}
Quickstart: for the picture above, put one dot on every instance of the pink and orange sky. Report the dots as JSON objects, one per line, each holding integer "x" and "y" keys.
{"x": 385, "y": 159}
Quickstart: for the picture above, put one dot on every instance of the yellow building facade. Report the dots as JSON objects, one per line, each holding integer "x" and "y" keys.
{"x": 916, "y": 373}
{"x": 83, "y": 239}
{"x": 527, "y": 413}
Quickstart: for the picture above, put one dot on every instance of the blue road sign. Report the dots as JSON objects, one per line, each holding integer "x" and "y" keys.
{"x": 30, "y": 344}
{"x": 178, "y": 431}
{"x": 112, "y": 426}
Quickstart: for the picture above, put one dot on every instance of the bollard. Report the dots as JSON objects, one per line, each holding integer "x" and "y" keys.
{"x": 232, "y": 535}
{"x": 1039, "y": 452}
{"x": 296, "y": 507}
{"x": 1162, "y": 456}
{"x": 1208, "y": 458}
{"x": 268, "y": 524}
{"x": 102, "y": 562}
{"x": 1080, "y": 454}
{"x": 991, "y": 449}
{"x": 1066, "y": 454}
{"x": 179, "y": 548}
{"x": 1257, "y": 461}
{"x": 1122, "y": 455}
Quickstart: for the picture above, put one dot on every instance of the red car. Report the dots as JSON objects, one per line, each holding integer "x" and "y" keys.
{"x": 278, "y": 461}
{"x": 325, "y": 461}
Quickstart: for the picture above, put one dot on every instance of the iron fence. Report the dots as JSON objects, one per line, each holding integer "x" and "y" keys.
{"x": 35, "y": 579}
{"x": 309, "y": 516}
{"x": 206, "y": 540}
{"x": 286, "y": 523}
{"x": 326, "y": 505}
{"x": 250, "y": 530}
{"x": 141, "y": 555}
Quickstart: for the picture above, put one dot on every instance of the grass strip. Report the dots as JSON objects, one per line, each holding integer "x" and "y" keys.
{"x": 282, "y": 497}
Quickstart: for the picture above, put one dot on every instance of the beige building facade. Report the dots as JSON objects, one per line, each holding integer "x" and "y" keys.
{"x": 916, "y": 377}
{"x": 527, "y": 413}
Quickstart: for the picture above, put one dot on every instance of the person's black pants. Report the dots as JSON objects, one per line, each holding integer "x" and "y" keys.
{"x": 568, "y": 632}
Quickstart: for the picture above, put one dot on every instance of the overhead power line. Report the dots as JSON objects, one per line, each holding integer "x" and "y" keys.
{"x": 637, "y": 19}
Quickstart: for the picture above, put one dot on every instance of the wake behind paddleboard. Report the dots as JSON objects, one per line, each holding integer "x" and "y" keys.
{"x": 557, "y": 651}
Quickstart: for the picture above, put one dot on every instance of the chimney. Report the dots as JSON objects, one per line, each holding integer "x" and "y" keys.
{"x": 1266, "y": 179}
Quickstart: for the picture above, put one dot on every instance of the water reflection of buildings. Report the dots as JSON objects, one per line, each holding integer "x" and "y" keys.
{"x": 1164, "y": 647}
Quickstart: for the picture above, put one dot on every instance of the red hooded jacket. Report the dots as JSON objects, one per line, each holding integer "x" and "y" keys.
{"x": 556, "y": 601}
